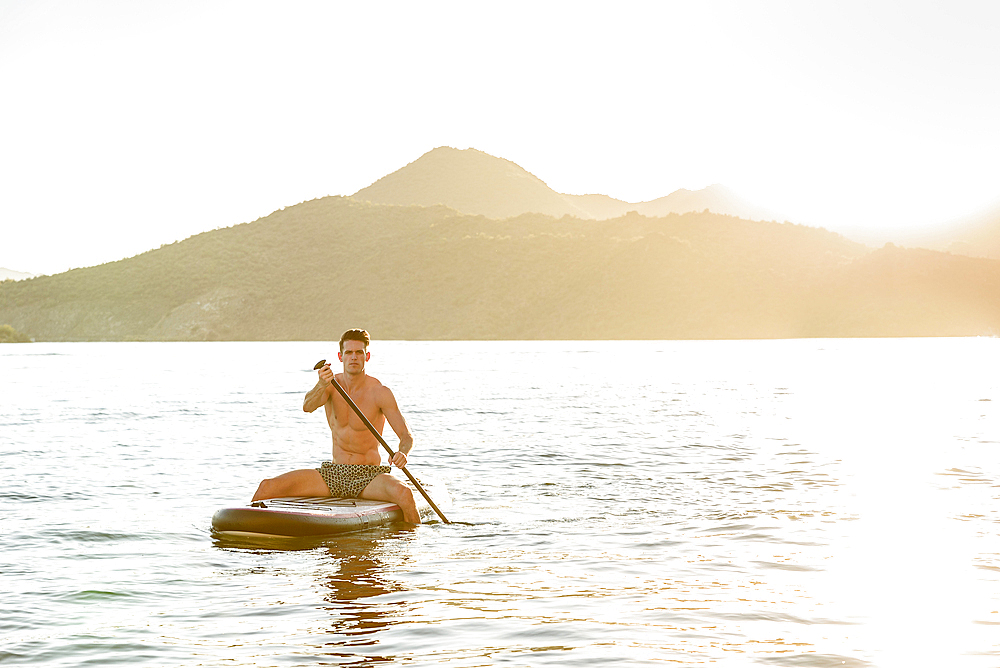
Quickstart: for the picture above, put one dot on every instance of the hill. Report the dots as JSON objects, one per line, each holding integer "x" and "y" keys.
{"x": 477, "y": 183}
{"x": 310, "y": 271}
{"x": 469, "y": 181}
{"x": 716, "y": 198}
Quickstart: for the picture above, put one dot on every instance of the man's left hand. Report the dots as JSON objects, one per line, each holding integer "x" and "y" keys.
{"x": 399, "y": 459}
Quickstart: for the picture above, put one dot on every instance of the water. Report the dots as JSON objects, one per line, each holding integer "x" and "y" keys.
{"x": 728, "y": 503}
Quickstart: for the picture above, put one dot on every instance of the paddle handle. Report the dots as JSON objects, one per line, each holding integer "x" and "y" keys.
{"x": 371, "y": 428}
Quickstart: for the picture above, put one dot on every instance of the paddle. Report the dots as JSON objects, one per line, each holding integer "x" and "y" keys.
{"x": 371, "y": 428}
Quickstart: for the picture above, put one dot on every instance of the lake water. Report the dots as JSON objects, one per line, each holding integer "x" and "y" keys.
{"x": 726, "y": 503}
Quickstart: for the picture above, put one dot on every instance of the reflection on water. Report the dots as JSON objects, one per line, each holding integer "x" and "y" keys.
{"x": 348, "y": 575}
{"x": 357, "y": 601}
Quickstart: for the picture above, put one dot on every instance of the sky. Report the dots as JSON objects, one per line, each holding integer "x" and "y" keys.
{"x": 127, "y": 125}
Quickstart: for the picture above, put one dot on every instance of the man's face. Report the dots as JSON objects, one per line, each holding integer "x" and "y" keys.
{"x": 354, "y": 356}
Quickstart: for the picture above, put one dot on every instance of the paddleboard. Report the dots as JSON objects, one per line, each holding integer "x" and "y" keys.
{"x": 305, "y": 516}
{"x": 310, "y": 516}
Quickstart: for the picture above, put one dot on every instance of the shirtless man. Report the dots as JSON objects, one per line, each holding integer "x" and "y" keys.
{"x": 355, "y": 470}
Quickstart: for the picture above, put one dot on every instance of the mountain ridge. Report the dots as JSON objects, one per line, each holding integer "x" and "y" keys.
{"x": 475, "y": 182}
{"x": 434, "y": 273}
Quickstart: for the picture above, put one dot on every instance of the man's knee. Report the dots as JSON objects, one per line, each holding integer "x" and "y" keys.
{"x": 406, "y": 502}
{"x": 403, "y": 495}
{"x": 265, "y": 490}
{"x": 395, "y": 491}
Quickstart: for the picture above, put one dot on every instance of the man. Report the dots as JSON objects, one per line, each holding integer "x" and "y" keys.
{"x": 355, "y": 470}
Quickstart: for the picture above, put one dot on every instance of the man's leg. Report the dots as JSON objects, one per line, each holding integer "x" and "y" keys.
{"x": 304, "y": 482}
{"x": 387, "y": 488}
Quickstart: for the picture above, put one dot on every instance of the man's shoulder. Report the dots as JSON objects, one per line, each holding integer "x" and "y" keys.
{"x": 377, "y": 388}
{"x": 381, "y": 392}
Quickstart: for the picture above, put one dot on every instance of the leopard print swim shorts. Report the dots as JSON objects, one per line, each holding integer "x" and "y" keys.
{"x": 347, "y": 481}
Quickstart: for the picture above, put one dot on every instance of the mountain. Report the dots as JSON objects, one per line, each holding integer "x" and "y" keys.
{"x": 310, "y": 271}
{"x": 469, "y": 181}
{"x": 715, "y": 198}
{"x": 477, "y": 183}
{"x": 11, "y": 275}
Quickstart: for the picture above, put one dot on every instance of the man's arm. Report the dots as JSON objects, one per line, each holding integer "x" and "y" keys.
{"x": 387, "y": 404}
{"x": 319, "y": 395}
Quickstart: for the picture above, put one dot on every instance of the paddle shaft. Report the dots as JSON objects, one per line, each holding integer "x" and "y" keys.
{"x": 374, "y": 431}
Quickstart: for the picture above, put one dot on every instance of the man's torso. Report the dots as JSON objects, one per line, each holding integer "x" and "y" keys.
{"x": 353, "y": 443}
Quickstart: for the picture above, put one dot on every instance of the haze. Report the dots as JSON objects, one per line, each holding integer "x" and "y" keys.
{"x": 129, "y": 125}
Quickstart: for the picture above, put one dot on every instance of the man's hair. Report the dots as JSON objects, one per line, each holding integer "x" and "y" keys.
{"x": 355, "y": 335}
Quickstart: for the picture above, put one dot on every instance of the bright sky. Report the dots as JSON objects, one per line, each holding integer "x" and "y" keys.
{"x": 127, "y": 124}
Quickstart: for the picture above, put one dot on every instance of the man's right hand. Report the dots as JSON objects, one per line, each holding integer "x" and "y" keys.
{"x": 317, "y": 396}
{"x": 326, "y": 374}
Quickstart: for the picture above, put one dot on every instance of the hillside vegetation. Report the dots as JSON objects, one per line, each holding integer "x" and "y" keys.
{"x": 10, "y": 335}
{"x": 312, "y": 270}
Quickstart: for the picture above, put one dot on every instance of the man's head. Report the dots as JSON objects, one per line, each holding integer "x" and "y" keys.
{"x": 354, "y": 351}
{"x": 355, "y": 335}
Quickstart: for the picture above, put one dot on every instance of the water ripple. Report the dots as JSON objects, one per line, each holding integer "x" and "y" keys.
{"x": 723, "y": 503}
